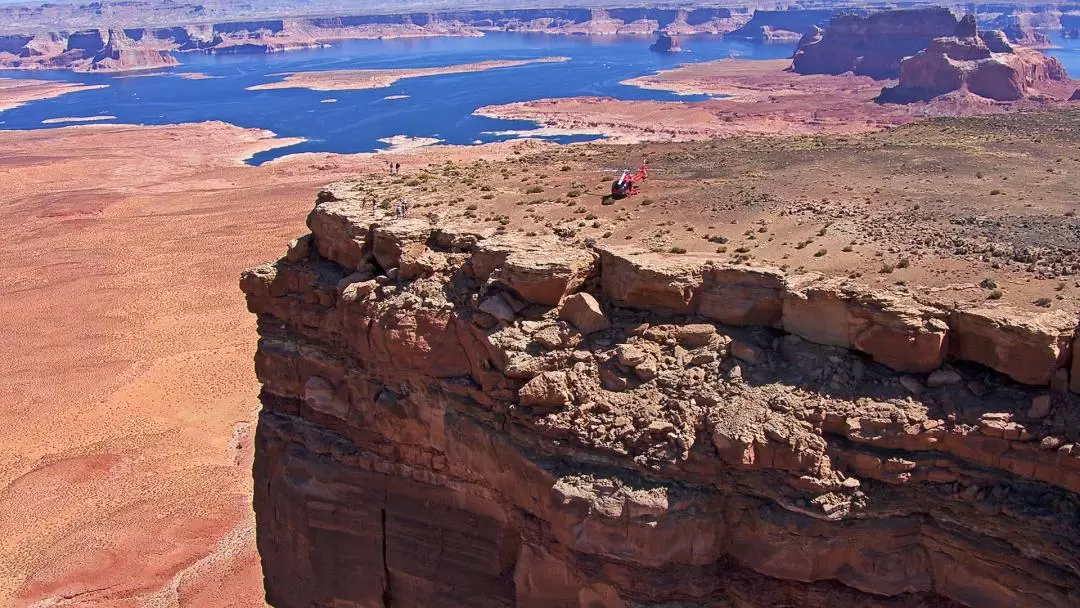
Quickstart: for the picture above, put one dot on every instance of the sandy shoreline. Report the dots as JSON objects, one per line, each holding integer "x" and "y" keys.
{"x": 75, "y": 119}
{"x": 15, "y": 92}
{"x": 344, "y": 80}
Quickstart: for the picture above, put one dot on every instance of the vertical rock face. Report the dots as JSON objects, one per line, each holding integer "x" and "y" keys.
{"x": 873, "y": 45}
{"x": 792, "y": 21}
{"x": 650, "y": 430}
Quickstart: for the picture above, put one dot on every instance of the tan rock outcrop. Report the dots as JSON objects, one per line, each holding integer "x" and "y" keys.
{"x": 1027, "y": 347}
{"x": 651, "y": 281}
{"x": 742, "y": 295}
{"x": 894, "y": 330}
{"x": 419, "y": 445}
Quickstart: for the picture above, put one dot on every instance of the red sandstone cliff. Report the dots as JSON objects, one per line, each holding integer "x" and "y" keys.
{"x": 872, "y": 45}
{"x": 453, "y": 418}
{"x": 121, "y": 54}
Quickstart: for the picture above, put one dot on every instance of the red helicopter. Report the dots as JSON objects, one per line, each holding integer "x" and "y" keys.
{"x": 626, "y": 184}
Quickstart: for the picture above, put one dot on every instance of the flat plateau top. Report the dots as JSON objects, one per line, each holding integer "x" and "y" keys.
{"x": 961, "y": 210}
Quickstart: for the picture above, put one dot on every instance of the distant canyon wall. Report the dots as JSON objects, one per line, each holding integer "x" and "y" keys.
{"x": 461, "y": 419}
{"x": 150, "y": 47}
{"x": 125, "y": 48}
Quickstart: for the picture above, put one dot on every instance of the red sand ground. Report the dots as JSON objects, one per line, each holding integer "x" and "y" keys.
{"x": 128, "y": 401}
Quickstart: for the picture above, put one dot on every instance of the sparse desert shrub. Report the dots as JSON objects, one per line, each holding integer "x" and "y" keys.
{"x": 1043, "y": 302}
{"x": 573, "y": 194}
{"x": 903, "y": 263}
{"x": 677, "y": 250}
{"x": 564, "y": 168}
{"x": 590, "y": 216}
{"x": 742, "y": 250}
{"x": 534, "y": 190}
{"x": 988, "y": 283}
{"x": 412, "y": 183}
{"x": 721, "y": 249}
{"x": 995, "y": 294}
{"x": 721, "y": 240}
{"x": 887, "y": 269}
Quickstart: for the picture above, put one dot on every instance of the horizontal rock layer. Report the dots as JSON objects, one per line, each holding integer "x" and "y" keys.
{"x": 453, "y": 418}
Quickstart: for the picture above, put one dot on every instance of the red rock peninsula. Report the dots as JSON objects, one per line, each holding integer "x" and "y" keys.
{"x": 16, "y": 92}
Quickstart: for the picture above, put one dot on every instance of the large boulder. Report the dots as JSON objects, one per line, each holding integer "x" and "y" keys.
{"x": 394, "y": 242}
{"x": 651, "y": 281}
{"x": 893, "y": 329}
{"x": 547, "y": 390}
{"x": 584, "y": 312}
{"x": 1028, "y": 347}
{"x": 541, "y": 271}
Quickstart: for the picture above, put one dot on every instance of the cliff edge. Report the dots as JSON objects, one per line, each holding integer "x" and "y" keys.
{"x": 455, "y": 417}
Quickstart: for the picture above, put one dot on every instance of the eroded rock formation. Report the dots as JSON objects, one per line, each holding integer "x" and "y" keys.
{"x": 872, "y": 45}
{"x": 110, "y": 50}
{"x": 982, "y": 63}
{"x": 460, "y": 418}
{"x": 666, "y": 43}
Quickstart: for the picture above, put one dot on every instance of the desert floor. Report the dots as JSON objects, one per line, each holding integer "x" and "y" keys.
{"x": 129, "y": 394}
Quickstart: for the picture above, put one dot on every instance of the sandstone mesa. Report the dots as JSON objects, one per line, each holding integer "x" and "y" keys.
{"x": 541, "y": 425}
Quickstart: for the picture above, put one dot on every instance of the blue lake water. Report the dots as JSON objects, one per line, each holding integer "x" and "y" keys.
{"x": 1068, "y": 53}
{"x": 437, "y": 106}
